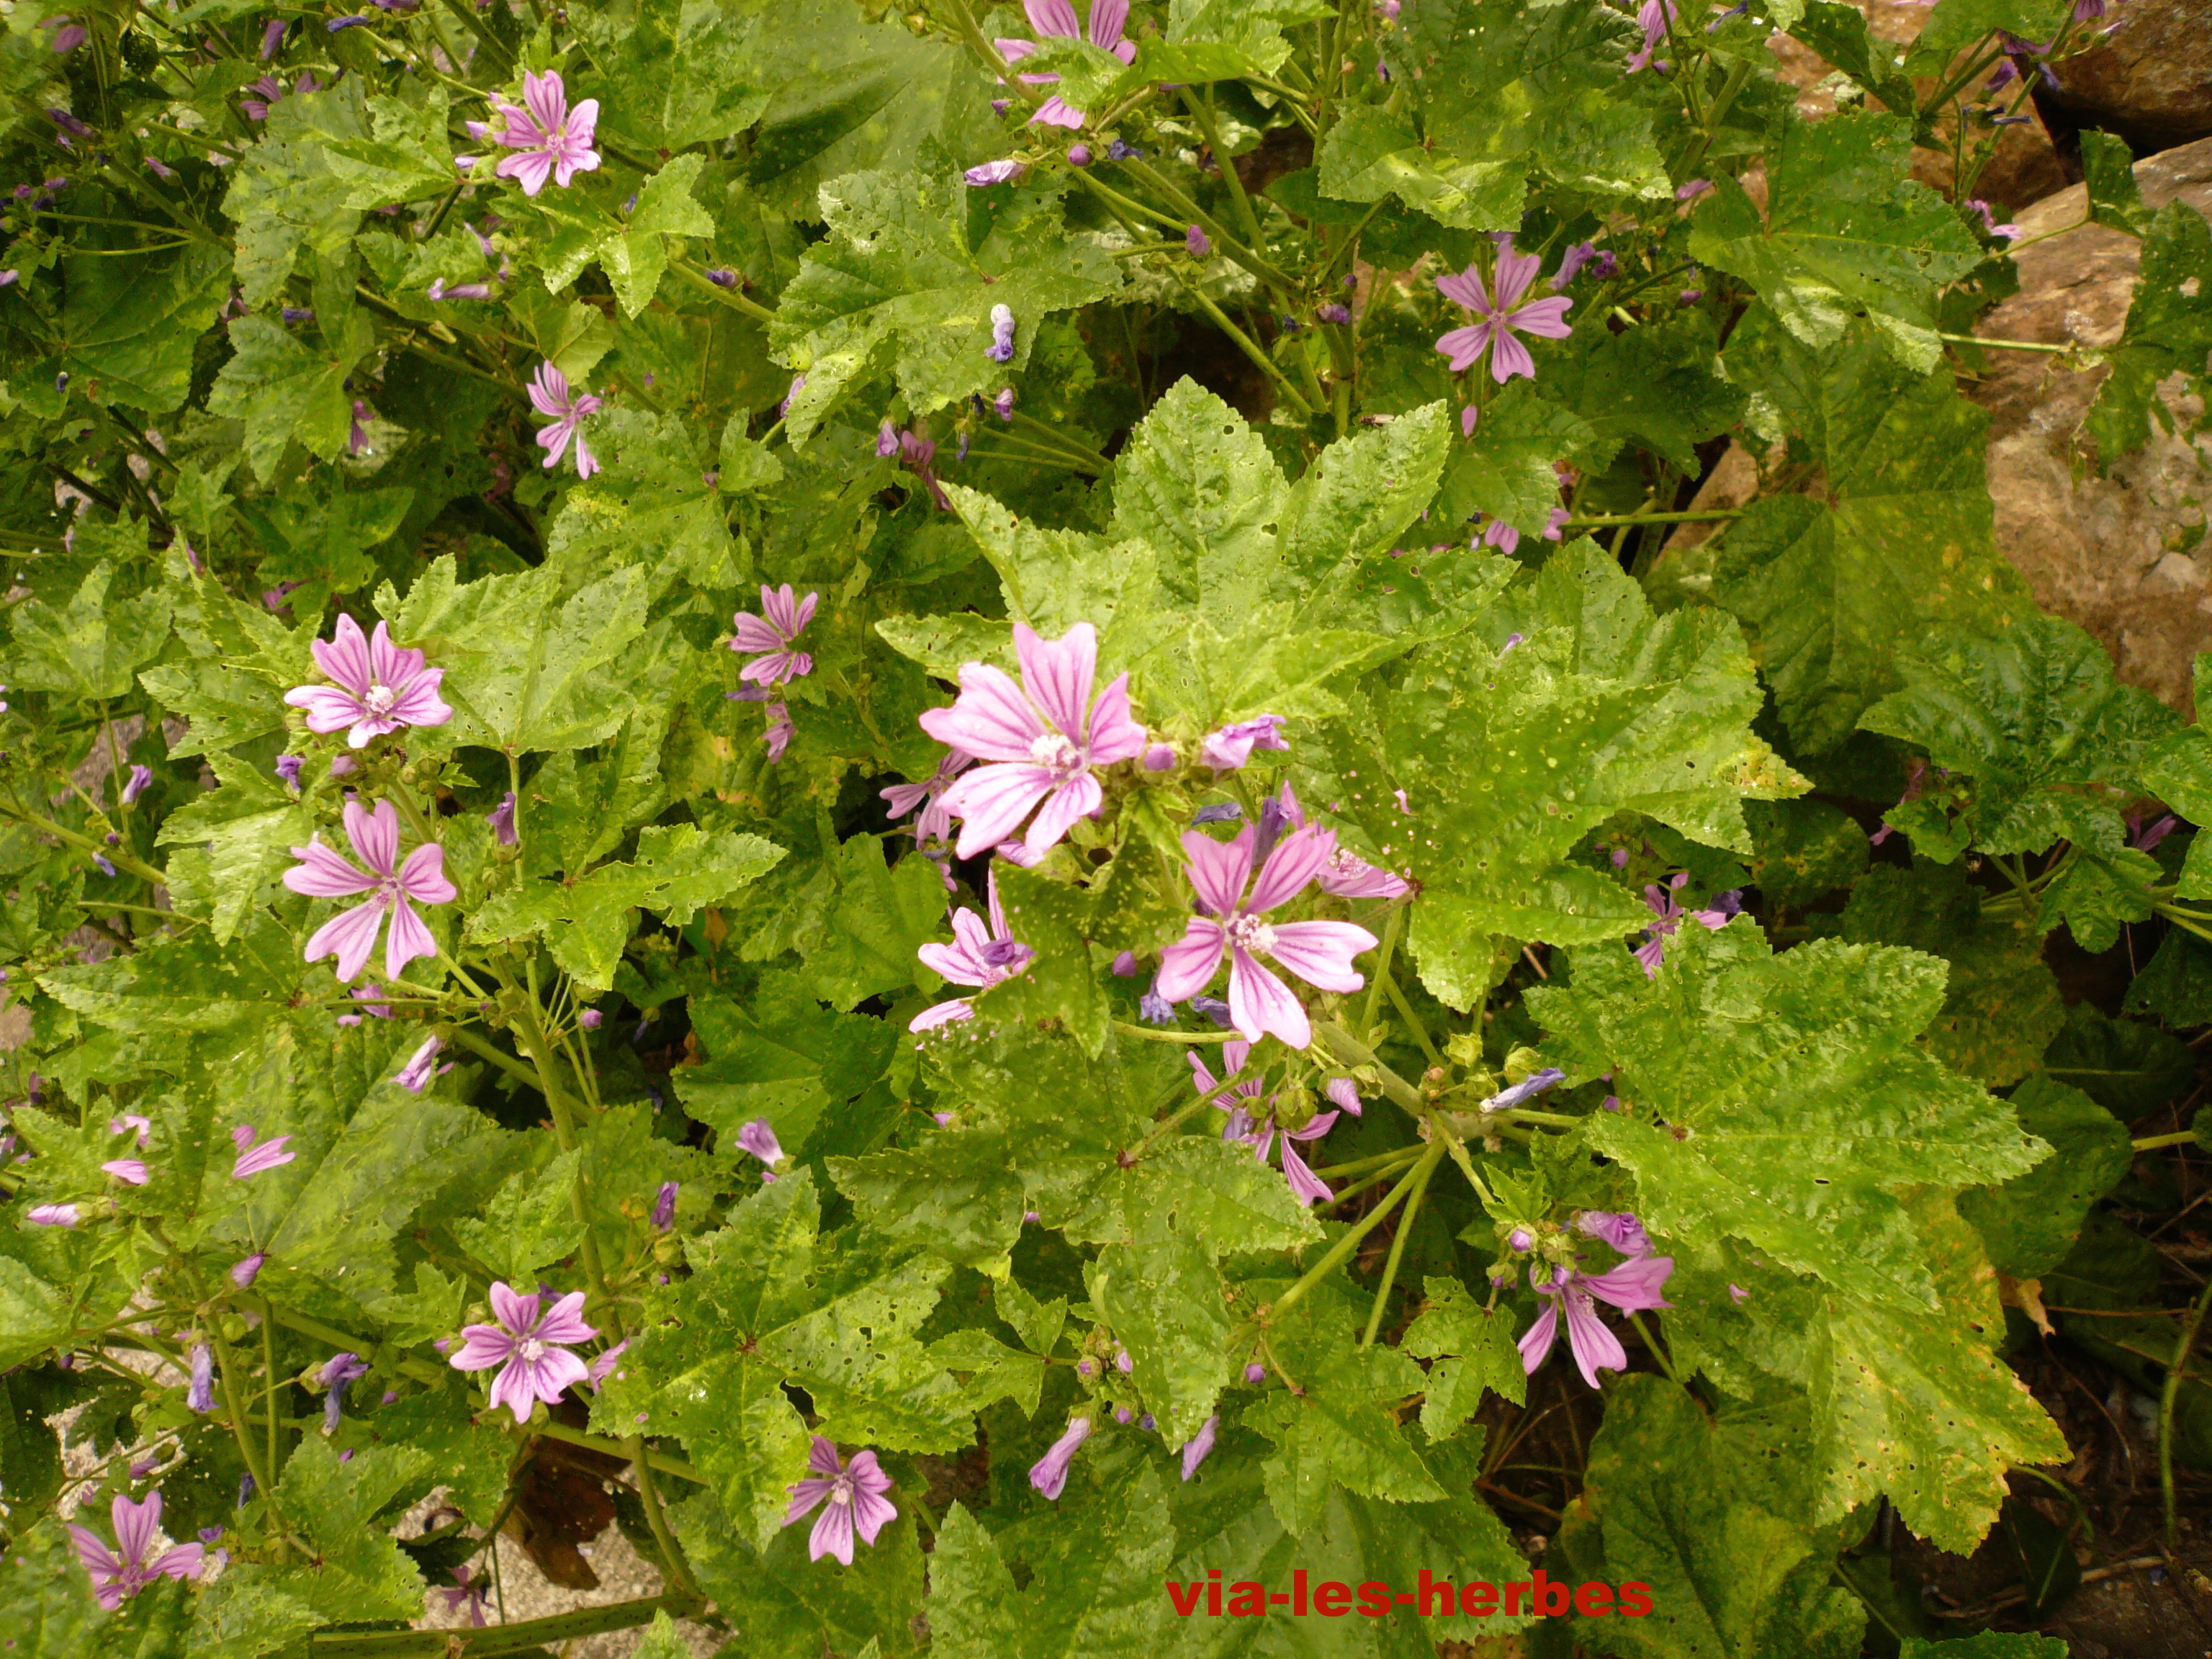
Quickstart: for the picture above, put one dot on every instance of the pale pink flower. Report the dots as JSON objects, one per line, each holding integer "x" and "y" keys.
{"x": 935, "y": 823}
{"x": 252, "y": 1159}
{"x": 351, "y": 934}
{"x": 781, "y": 621}
{"x": 1255, "y": 1124}
{"x": 1669, "y": 916}
{"x": 1346, "y": 875}
{"x": 1496, "y": 321}
{"x": 1232, "y": 746}
{"x": 1046, "y": 736}
{"x": 551, "y": 138}
{"x": 1056, "y": 20}
{"x": 120, "y": 1573}
{"x": 1318, "y": 952}
{"x": 979, "y": 955}
{"x": 527, "y": 1347}
{"x": 1632, "y": 1287}
{"x": 1653, "y": 17}
{"x": 53, "y": 1215}
{"x": 1048, "y": 1474}
{"x": 132, "y": 1171}
{"x": 379, "y": 688}
{"x": 855, "y": 1501}
{"x": 549, "y": 396}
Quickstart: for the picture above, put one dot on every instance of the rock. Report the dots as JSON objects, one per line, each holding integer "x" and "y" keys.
{"x": 2149, "y": 80}
{"x": 2124, "y": 555}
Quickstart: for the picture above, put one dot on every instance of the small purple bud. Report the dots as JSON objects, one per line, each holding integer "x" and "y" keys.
{"x": 1690, "y": 296}
{"x": 337, "y": 24}
{"x": 1118, "y": 151}
{"x": 140, "y": 777}
{"x": 209, "y": 1534}
{"x": 1215, "y": 1010}
{"x": 1226, "y": 811}
{"x": 1195, "y": 240}
{"x": 1122, "y": 1363}
{"x": 1001, "y": 349}
{"x": 1256, "y": 1373}
{"x": 663, "y": 1207}
{"x": 1334, "y": 313}
{"x": 1125, "y": 965}
{"x": 501, "y": 820}
{"x": 1160, "y": 757}
{"x": 1620, "y": 858}
{"x": 68, "y": 38}
{"x": 760, "y": 1140}
{"x": 243, "y": 1273}
{"x": 272, "y": 36}
{"x": 590, "y": 1019}
{"x": 106, "y": 867}
{"x": 1690, "y": 191}
{"x": 200, "y": 1397}
{"x": 995, "y": 173}
{"x": 1004, "y": 403}
{"x": 1124, "y": 1416}
{"x": 1078, "y": 155}
{"x": 1154, "y": 1009}
{"x": 722, "y": 276}
{"x": 287, "y": 769}
{"x": 1521, "y": 1240}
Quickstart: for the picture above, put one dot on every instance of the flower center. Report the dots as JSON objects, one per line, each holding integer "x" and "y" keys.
{"x": 1055, "y": 753}
{"x": 841, "y": 1490}
{"x": 531, "y": 1350}
{"x": 380, "y": 699}
{"x": 1251, "y": 933}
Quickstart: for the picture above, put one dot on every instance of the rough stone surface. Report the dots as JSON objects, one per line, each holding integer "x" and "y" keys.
{"x": 2124, "y": 555}
{"x": 2149, "y": 80}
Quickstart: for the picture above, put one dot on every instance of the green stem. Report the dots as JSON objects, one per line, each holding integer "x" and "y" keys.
{"x": 1260, "y": 359}
{"x": 1169, "y": 1125}
{"x": 1152, "y": 1036}
{"x": 1353, "y": 1052}
{"x": 661, "y": 1460}
{"x": 1229, "y": 244}
{"x": 672, "y": 1552}
{"x": 2152, "y": 1143}
{"x": 729, "y": 296}
{"x": 475, "y": 26}
{"x": 1345, "y": 1245}
{"x": 1396, "y": 1155}
{"x": 1606, "y": 520}
{"x": 1080, "y": 452}
{"x": 1393, "y": 930}
{"x": 420, "y": 1370}
{"x": 1654, "y": 1350}
{"x": 1203, "y": 116}
{"x": 228, "y": 1361}
{"x": 519, "y": 1636}
{"x": 2175, "y": 1370}
{"x": 1412, "y": 1021}
{"x": 484, "y": 1050}
{"x": 1422, "y": 1172}
{"x": 269, "y": 1365}
{"x": 2008, "y": 345}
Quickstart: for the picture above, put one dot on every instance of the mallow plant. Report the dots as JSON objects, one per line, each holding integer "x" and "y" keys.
{"x": 941, "y": 802}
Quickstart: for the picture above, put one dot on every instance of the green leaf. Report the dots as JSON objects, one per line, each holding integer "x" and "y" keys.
{"x": 2130, "y": 1068}
{"x": 1372, "y": 153}
{"x": 1923, "y": 1409}
{"x": 1845, "y": 233}
{"x": 1102, "y": 1598}
{"x": 1160, "y": 1285}
{"x": 33, "y": 1315}
{"x": 526, "y": 669}
{"x": 1339, "y": 1430}
{"x": 192, "y": 984}
{"x": 2001, "y": 1004}
{"x": 251, "y": 826}
{"x": 953, "y": 1194}
{"x": 2108, "y": 168}
{"x": 1658, "y": 387}
{"x": 361, "y": 1571}
{"x": 634, "y": 256}
{"x": 895, "y": 286}
{"x": 586, "y": 921}
{"x": 2168, "y": 330}
{"x": 1054, "y": 919}
{"x": 1804, "y": 849}
{"x": 1357, "y": 499}
{"x": 284, "y": 194}
{"x": 679, "y": 72}
{"x": 531, "y": 1222}
{"x": 1840, "y": 33}
{"x": 1710, "y": 1515}
{"x": 2179, "y": 768}
{"x": 1987, "y": 1644}
{"x": 284, "y": 389}
{"x": 2030, "y": 1223}
{"x": 780, "y": 1603}
{"x": 1509, "y": 757}
{"x": 1197, "y": 483}
{"x": 1473, "y": 1350}
{"x": 87, "y": 651}
{"x": 771, "y": 1301}
{"x": 408, "y": 156}
{"x": 2035, "y": 717}
{"x": 864, "y": 920}
{"x": 132, "y": 323}
{"x": 1806, "y": 1106}
{"x": 1898, "y": 547}
{"x": 1506, "y": 468}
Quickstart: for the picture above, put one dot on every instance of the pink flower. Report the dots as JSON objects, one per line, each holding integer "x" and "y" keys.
{"x": 602, "y": 1365}
{"x": 1506, "y": 539}
{"x": 1653, "y": 17}
{"x": 1231, "y": 747}
{"x": 2008, "y": 232}
{"x": 1200, "y": 1445}
{"x": 1038, "y": 731}
{"x": 351, "y": 934}
{"x": 527, "y": 1347}
{"x": 1318, "y": 952}
{"x": 132, "y": 1171}
{"x": 380, "y": 687}
{"x": 252, "y": 1159}
{"x": 1048, "y": 1474}
{"x": 979, "y": 956}
{"x": 1670, "y": 916}
{"x": 415, "y": 1076}
{"x": 1056, "y": 20}
{"x": 755, "y": 1137}
{"x": 781, "y": 730}
{"x": 1346, "y": 875}
{"x": 1494, "y": 331}
{"x": 773, "y": 632}
{"x": 552, "y": 138}
{"x": 1257, "y": 1128}
{"x": 120, "y": 1573}
{"x": 53, "y": 1215}
{"x": 1632, "y": 1286}
{"x": 549, "y": 396}
{"x": 935, "y": 823}
{"x": 856, "y": 1501}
